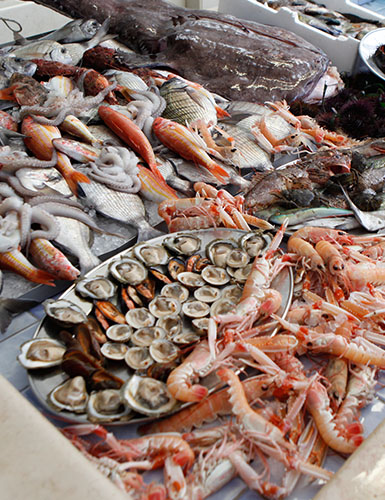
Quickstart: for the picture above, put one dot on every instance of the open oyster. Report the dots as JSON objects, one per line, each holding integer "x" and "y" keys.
{"x": 144, "y": 337}
{"x": 183, "y": 244}
{"x": 128, "y": 271}
{"x": 64, "y": 312}
{"x": 232, "y": 292}
{"x": 114, "y": 350}
{"x": 163, "y": 306}
{"x": 222, "y": 306}
{"x": 139, "y": 317}
{"x": 107, "y": 406}
{"x": 195, "y": 309}
{"x": 215, "y": 275}
{"x": 172, "y": 325}
{"x": 151, "y": 255}
{"x": 175, "y": 291}
{"x": 254, "y": 243}
{"x": 237, "y": 258}
{"x": 148, "y": 396}
{"x": 138, "y": 358}
{"x": 71, "y": 395}
{"x": 241, "y": 274}
{"x": 190, "y": 280}
{"x": 163, "y": 351}
{"x": 41, "y": 353}
{"x": 98, "y": 288}
{"x": 217, "y": 251}
{"x": 201, "y": 325}
{"x": 207, "y": 293}
{"x": 119, "y": 333}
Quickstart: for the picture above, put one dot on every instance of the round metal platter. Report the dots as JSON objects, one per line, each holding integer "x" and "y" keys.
{"x": 44, "y": 381}
{"x": 367, "y": 48}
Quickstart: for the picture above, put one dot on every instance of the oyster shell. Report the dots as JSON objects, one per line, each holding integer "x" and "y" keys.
{"x": 114, "y": 350}
{"x": 64, "y": 312}
{"x": 98, "y": 287}
{"x": 107, "y": 406}
{"x": 221, "y": 306}
{"x": 41, "y": 353}
{"x": 190, "y": 280}
{"x": 138, "y": 358}
{"x": 232, "y": 292}
{"x": 240, "y": 275}
{"x": 217, "y": 251}
{"x": 144, "y": 337}
{"x": 148, "y": 396}
{"x": 119, "y": 333}
{"x": 186, "y": 337}
{"x": 195, "y": 309}
{"x": 207, "y": 293}
{"x": 215, "y": 275}
{"x": 128, "y": 271}
{"x": 201, "y": 325}
{"x": 164, "y": 351}
{"x": 183, "y": 244}
{"x": 163, "y": 306}
{"x": 172, "y": 325}
{"x": 254, "y": 243}
{"x": 71, "y": 395}
{"x": 151, "y": 255}
{"x": 175, "y": 291}
{"x": 140, "y": 317}
{"x": 237, "y": 258}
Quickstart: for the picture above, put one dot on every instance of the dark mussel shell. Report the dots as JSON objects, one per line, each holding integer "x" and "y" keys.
{"x": 95, "y": 330}
{"x": 102, "y": 379}
{"x": 76, "y": 362}
{"x": 175, "y": 266}
{"x": 146, "y": 288}
{"x": 160, "y": 276}
{"x": 87, "y": 341}
{"x": 110, "y": 311}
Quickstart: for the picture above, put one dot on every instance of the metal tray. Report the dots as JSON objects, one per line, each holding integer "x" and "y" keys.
{"x": 43, "y": 381}
{"x": 367, "y": 48}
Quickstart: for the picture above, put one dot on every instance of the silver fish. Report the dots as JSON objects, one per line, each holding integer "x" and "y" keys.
{"x": 10, "y": 65}
{"x": 43, "y": 49}
{"x": 371, "y": 221}
{"x": 301, "y": 215}
{"x": 6, "y": 135}
{"x": 167, "y": 169}
{"x": 123, "y": 207}
{"x": 74, "y": 238}
{"x": 78, "y": 30}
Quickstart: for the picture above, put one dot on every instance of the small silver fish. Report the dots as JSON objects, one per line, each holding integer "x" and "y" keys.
{"x": 43, "y": 49}
{"x": 301, "y": 215}
{"x": 6, "y": 135}
{"x": 167, "y": 169}
{"x": 371, "y": 221}
{"x": 10, "y": 65}
{"x": 78, "y": 30}
{"x": 123, "y": 207}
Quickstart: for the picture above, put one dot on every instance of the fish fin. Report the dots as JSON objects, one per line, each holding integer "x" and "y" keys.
{"x": 74, "y": 178}
{"x": 147, "y": 232}
{"x": 43, "y": 277}
{"x": 10, "y": 307}
{"x": 7, "y": 94}
{"x": 197, "y": 97}
{"x": 221, "y": 113}
{"x": 219, "y": 172}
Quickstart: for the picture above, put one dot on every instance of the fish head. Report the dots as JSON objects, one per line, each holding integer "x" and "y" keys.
{"x": 160, "y": 124}
{"x": 13, "y": 65}
{"x": 90, "y": 27}
{"x": 60, "y": 54}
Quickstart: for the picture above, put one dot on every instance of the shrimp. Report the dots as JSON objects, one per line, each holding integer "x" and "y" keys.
{"x": 376, "y": 252}
{"x": 316, "y": 234}
{"x": 304, "y": 249}
{"x": 197, "y": 363}
{"x": 330, "y": 256}
{"x": 363, "y": 273}
{"x": 174, "y": 480}
{"x": 337, "y": 374}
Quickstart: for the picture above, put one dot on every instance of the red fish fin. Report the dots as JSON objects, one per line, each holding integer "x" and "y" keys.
{"x": 73, "y": 178}
{"x": 40, "y": 276}
{"x": 221, "y": 113}
{"x": 219, "y": 172}
{"x": 7, "y": 94}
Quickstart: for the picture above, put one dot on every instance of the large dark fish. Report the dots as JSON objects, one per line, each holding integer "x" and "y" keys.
{"x": 240, "y": 60}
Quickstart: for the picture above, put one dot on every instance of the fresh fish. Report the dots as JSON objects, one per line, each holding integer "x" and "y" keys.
{"x": 124, "y": 207}
{"x": 152, "y": 188}
{"x": 236, "y": 59}
{"x": 25, "y": 90}
{"x": 76, "y": 150}
{"x": 74, "y": 238}
{"x": 11, "y": 65}
{"x": 78, "y": 30}
{"x": 44, "y": 49}
{"x": 6, "y": 135}
{"x": 193, "y": 172}
{"x": 371, "y": 221}
{"x": 45, "y": 256}
{"x": 72, "y": 125}
{"x": 105, "y": 136}
{"x": 167, "y": 169}
{"x": 16, "y": 262}
{"x": 301, "y": 215}
{"x": 343, "y": 223}
{"x": 126, "y": 79}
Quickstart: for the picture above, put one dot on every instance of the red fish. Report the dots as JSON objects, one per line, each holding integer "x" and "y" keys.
{"x": 16, "y": 262}
{"x": 49, "y": 258}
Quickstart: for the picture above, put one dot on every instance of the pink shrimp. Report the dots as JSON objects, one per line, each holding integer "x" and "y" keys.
{"x": 316, "y": 234}
{"x": 304, "y": 249}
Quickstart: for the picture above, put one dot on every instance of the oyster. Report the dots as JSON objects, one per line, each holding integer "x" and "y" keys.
{"x": 190, "y": 280}
{"x": 240, "y": 275}
{"x": 255, "y": 242}
{"x": 128, "y": 271}
{"x": 107, "y": 406}
{"x": 164, "y": 351}
{"x": 172, "y": 325}
{"x": 222, "y": 306}
{"x": 119, "y": 333}
{"x": 151, "y": 255}
{"x": 175, "y": 291}
{"x": 201, "y": 325}
{"x": 195, "y": 309}
{"x": 163, "y": 306}
{"x": 138, "y": 358}
{"x": 215, "y": 275}
{"x": 183, "y": 244}
{"x": 232, "y": 292}
{"x": 114, "y": 350}
{"x": 64, "y": 312}
{"x": 144, "y": 337}
{"x": 71, "y": 395}
{"x": 217, "y": 251}
{"x": 148, "y": 396}
{"x": 186, "y": 337}
{"x": 41, "y": 353}
{"x": 207, "y": 293}
{"x": 140, "y": 317}
{"x": 237, "y": 258}
{"x": 99, "y": 288}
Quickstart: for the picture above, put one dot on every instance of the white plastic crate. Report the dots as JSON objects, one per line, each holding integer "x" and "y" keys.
{"x": 342, "y": 50}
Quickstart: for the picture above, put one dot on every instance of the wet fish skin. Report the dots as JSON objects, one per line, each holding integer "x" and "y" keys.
{"x": 371, "y": 221}
{"x": 78, "y": 30}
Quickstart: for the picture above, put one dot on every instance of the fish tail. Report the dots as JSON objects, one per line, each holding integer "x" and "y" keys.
{"x": 7, "y": 94}
{"x": 146, "y": 232}
{"x": 219, "y": 172}
{"x": 10, "y": 307}
{"x": 221, "y": 113}
{"x": 16, "y": 262}
{"x": 73, "y": 178}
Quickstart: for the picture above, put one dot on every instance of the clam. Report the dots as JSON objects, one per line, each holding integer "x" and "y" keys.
{"x": 183, "y": 244}
{"x": 207, "y": 293}
{"x": 128, "y": 271}
{"x": 175, "y": 291}
{"x": 150, "y": 254}
{"x": 164, "y": 351}
{"x": 195, "y": 309}
{"x": 186, "y": 337}
{"x": 119, "y": 333}
{"x": 148, "y": 396}
{"x": 71, "y": 395}
{"x": 217, "y": 251}
{"x": 240, "y": 275}
{"x": 140, "y": 317}
{"x": 215, "y": 275}
{"x": 138, "y": 358}
{"x": 255, "y": 242}
{"x": 190, "y": 280}
{"x": 163, "y": 306}
{"x": 144, "y": 337}
{"x": 232, "y": 292}
{"x": 114, "y": 350}
{"x": 222, "y": 306}
{"x": 64, "y": 312}
{"x": 107, "y": 406}
{"x": 41, "y": 353}
{"x": 201, "y": 325}
{"x": 172, "y": 325}
{"x": 99, "y": 288}
{"x": 237, "y": 258}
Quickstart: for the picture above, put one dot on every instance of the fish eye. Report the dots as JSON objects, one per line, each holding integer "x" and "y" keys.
{"x": 18, "y": 59}
{"x": 63, "y": 50}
